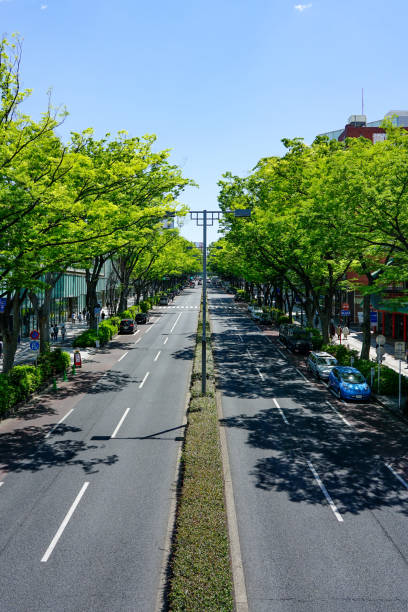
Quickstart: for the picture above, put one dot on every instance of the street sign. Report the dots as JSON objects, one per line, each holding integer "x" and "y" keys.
{"x": 3, "y": 302}
{"x": 399, "y": 350}
{"x": 373, "y": 316}
{"x": 380, "y": 340}
{"x": 345, "y": 306}
{"x": 345, "y": 313}
{"x": 34, "y": 346}
{"x": 34, "y": 334}
{"x": 380, "y": 351}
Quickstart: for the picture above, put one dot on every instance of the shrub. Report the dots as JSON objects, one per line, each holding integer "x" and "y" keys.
{"x": 145, "y": 305}
{"x": 60, "y": 360}
{"x": 87, "y": 338}
{"x": 126, "y": 314}
{"x": 281, "y": 319}
{"x": 317, "y": 338}
{"x": 25, "y": 379}
{"x": 7, "y": 394}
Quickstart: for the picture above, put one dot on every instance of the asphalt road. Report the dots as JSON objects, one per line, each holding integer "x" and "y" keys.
{"x": 84, "y": 516}
{"x": 320, "y": 486}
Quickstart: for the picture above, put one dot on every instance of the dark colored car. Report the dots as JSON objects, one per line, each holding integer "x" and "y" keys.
{"x": 299, "y": 341}
{"x": 127, "y": 326}
{"x": 142, "y": 317}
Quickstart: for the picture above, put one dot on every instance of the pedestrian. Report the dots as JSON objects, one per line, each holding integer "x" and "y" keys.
{"x": 63, "y": 332}
{"x": 102, "y": 315}
{"x": 73, "y": 317}
{"x": 332, "y": 331}
{"x": 406, "y": 355}
{"x": 1, "y": 348}
{"x": 84, "y": 312}
{"x": 56, "y": 330}
{"x": 79, "y": 317}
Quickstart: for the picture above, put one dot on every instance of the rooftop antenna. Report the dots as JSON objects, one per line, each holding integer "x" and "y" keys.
{"x": 362, "y": 101}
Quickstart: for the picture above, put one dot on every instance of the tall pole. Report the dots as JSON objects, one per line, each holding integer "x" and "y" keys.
{"x": 204, "y": 339}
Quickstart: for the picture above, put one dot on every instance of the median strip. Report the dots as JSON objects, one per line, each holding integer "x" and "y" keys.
{"x": 200, "y": 571}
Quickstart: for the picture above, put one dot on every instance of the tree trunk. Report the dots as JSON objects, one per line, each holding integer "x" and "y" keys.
{"x": 366, "y": 326}
{"x": 325, "y": 316}
{"x": 10, "y": 333}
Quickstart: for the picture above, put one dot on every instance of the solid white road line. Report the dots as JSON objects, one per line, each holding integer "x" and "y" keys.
{"x": 165, "y": 340}
{"x": 175, "y": 323}
{"x": 260, "y": 373}
{"x": 325, "y": 492}
{"x": 59, "y": 422}
{"x": 138, "y": 340}
{"x": 124, "y": 355}
{"x": 64, "y": 523}
{"x": 299, "y": 372}
{"x": 120, "y": 423}
{"x": 249, "y": 354}
{"x": 240, "y": 337}
{"x": 157, "y": 356}
{"x": 280, "y": 353}
{"x": 280, "y": 411}
{"x": 144, "y": 380}
{"x": 338, "y": 413}
{"x": 402, "y": 481}
{"x": 147, "y": 330}
{"x": 136, "y": 332}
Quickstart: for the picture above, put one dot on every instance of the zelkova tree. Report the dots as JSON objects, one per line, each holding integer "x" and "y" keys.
{"x": 296, "y": 228}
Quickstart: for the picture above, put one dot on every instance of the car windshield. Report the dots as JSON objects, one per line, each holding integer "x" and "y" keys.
{"x": 328, "y": 361}
{"x": 353, "y": 378}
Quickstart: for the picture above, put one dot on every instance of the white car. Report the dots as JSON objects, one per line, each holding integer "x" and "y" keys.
{"x": 321, "y": 364}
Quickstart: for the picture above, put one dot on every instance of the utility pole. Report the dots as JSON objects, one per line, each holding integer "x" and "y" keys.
{"x": 208, "y": 218}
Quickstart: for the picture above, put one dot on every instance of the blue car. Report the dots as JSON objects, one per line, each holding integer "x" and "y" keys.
{"x": 348, "y": 383}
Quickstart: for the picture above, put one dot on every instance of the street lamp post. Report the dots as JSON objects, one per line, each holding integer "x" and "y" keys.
{"x": 207, "y": 218}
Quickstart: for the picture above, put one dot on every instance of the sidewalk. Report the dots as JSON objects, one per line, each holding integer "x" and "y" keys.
{"x": 25, "y": 355}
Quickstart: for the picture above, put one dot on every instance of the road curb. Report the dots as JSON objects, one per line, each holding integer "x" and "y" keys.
{"x": 237, "y": 568}
{"x": 161, "y": 603}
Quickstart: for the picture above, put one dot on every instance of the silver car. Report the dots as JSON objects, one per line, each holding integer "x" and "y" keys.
{"x": 321, "y": 364}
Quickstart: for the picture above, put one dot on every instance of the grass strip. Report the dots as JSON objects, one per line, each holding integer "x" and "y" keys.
{"x": 200, "y": 569}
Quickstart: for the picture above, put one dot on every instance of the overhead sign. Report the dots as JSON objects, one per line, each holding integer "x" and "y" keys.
{"x": 3, "y": 302}
{"x": 399, "y": 350}
{"x": 34, "y": 346}
{"x": 34, "y": 334}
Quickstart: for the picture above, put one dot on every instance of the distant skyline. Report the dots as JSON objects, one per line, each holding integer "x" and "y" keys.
{"x": 220, "y": 83}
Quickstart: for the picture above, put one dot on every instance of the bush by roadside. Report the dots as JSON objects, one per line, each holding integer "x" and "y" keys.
{"x": 389, "y": 379}
{"x": 21, "y": 381}
{"x": 107, "y": 329}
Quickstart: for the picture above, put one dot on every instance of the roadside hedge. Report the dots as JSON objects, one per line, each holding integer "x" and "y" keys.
{"x": 21, "y": 381}
{"x": 389, "y": 379}
{"x": 107, "y": 329}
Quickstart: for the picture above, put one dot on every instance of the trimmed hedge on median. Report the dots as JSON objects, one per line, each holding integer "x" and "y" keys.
{"x": 21, "y": 381}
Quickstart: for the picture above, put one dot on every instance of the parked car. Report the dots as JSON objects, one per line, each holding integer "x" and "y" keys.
{"x": 348, "y": 383}
{"x": 285, "y": 329}
{"x": 321, "y": 364}
{"x": 299, "y": 340}
{"x": 127, "y": 326}
{"x": 164, "y": 300}
{"x": 142, "y": 317}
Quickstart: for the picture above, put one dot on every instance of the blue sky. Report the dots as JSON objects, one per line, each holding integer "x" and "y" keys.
{"x": 220, "y": 83}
